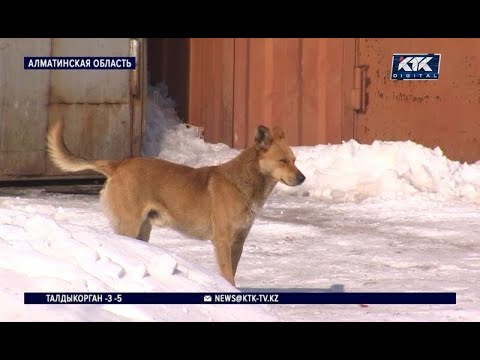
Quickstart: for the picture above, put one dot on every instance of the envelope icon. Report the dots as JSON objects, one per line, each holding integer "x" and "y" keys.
{"x": 207, "y": 298}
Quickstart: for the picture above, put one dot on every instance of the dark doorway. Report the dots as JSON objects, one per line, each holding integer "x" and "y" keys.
{"x": 167, "y": 60}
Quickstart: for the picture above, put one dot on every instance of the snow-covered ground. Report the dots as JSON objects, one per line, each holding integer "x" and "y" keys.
{"x": 391, "y": 216}
{"x": 55, "y": 243}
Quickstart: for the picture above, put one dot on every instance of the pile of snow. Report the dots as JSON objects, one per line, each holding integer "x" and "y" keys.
{"x": 344, "y": 172}
{"x": 161, "y": 116}
{"x": 49, "y": 248}
{"x": 353, "y": 171}
{"x": 167, "y": 137}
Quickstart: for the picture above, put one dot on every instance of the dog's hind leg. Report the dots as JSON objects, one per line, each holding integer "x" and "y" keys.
{"x": 145, "y": 230}
{"x": 127, "y": 227}
{"x": 130, "y": 224}
{"x": 125, "y": 218}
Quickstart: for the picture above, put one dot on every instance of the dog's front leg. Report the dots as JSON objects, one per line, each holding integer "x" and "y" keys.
{"x": 223, "y": 252}
{"x": 227, "y": 206}
{"x": 237, "y": 247}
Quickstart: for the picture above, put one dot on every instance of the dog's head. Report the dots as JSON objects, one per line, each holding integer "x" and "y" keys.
{"x": 276, "y": 159}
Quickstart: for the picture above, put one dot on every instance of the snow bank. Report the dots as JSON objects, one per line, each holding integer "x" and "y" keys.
{"x": 353, "y": 171}
{"x": 161, "y": 116}
{"x": 344, "y": 172}
{"x": 43, "y": 249}
{"x": 168, "y": 136}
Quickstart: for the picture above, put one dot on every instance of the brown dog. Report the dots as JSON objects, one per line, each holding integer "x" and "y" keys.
{"x": 214, "y": 202}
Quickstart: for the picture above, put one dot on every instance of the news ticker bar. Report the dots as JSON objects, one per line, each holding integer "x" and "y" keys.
{"x": 243, "y": 298}
{"x": 78, "y": 63}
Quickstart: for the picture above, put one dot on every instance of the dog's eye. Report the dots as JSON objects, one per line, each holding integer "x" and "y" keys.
{"x": 285, "y": 161}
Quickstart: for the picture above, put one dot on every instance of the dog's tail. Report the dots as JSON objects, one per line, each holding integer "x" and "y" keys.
{"x": 65, "y": 160}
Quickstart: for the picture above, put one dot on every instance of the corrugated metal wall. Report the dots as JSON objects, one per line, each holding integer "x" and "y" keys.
{"x": 299, "y": 84}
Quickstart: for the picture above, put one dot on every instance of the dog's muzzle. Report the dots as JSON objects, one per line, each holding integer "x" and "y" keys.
{"x": 300, "y": 178}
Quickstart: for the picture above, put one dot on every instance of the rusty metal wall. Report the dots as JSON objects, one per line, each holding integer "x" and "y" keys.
{"x": 95, "y": 104}
{"x": 103, "y": 119}
{"x": 444, "y": 112}
{"x": 302, "y": 85}
{"x": 23, "y": 108}
{"x": 211, "y": 86}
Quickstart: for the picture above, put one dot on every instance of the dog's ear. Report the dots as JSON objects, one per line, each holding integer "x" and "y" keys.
{"x": 278, "y": 133}
{"x": 263, "y": 138}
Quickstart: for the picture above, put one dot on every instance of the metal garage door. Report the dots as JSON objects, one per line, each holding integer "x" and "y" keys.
{"x": 98, "y": 106}
{"x": 443, "y": 112}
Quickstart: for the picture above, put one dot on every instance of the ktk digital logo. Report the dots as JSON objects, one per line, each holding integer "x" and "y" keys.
{"x": 415, "y": 66}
